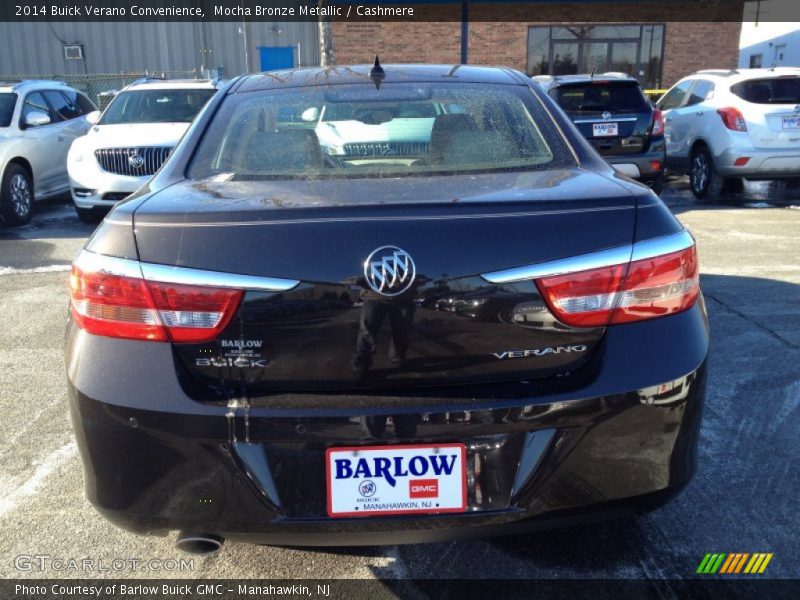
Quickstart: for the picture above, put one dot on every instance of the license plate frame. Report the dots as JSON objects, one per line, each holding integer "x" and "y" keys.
{"x": 433, "y": 493}
{"x": 605, "y": 129}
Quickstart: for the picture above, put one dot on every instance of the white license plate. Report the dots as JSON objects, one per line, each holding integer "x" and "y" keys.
{"x": 396, "y": 480}
{"x": 791, "y": 122}
{"x": 605, "y": 129}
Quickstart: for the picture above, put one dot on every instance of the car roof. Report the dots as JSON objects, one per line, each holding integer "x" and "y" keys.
{"x": 732, "y": 76}
{"x": 20, "y": 85}
{"x": 394, "y": 73}
{"x": 158, "y": 83}
{"x": 556, "y": 80}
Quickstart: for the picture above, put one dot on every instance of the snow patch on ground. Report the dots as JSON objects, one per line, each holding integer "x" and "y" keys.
{"x": 45, "y": 269}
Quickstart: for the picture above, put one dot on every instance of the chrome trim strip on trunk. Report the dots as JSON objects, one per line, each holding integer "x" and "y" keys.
{"x": 609, "y": 120}
{"x": 595, "y": 260}
{"x": 183, "y": 275}
{"x": 665, "y": 244}
{"x": 90, "y": 262}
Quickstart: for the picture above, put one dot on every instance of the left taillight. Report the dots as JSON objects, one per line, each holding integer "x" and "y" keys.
{"x": 127, "y": 306}
{"x": 644, "y": 289}
{"x": 732, "y": 118}
{"x": 658, "y": 123}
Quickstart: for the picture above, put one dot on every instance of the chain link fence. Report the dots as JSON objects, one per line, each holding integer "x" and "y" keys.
{"x": 100, "y": 87}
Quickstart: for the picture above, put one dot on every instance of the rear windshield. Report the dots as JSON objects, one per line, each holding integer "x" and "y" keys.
{"x": 600, "y": 97}
{"x": 775, "y": 90}
{"x": 155, "y": 106}
{"x": 7, "y": 103}
{"x": 396, "y": 130}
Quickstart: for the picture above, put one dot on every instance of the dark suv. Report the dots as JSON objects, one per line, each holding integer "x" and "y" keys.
{"x": 612, "y": 112}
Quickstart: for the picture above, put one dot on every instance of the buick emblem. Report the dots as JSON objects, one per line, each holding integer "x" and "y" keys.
{"x": 135, "y": 160}
{"x": 606, "y": 115}
{"x": 389, "y": 271}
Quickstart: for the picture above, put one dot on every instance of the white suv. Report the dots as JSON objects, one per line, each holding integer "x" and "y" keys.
{"x": 131, "y": 139}
{"x": 728, "y": 125}
{"x": 38, "y": 121}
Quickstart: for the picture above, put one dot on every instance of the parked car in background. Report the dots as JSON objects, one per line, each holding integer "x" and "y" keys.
{"x": 612, "y": 112}
{"x": 38, "y": 122}
{"x": 254, "y": 350}
{"x": 725, "y": 125}
{"x": 131, "y": 139}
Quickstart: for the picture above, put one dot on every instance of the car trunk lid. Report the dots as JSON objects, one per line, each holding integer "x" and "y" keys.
{"x": 335, "y": 332}
{"x": 771, "y": 110}
{"x": 613, "y": 115}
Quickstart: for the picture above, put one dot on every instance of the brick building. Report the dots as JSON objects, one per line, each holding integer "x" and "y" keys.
{"x": 658, "y": 42}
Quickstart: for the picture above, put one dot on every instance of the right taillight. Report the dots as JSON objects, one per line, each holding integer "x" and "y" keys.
{"x": 128, "y": 307}
{"x": 733, "y": 119}
{"x": 645, "y": 289}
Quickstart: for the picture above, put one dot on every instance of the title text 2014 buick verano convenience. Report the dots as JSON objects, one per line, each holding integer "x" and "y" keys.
{"x": 384, "y": 305}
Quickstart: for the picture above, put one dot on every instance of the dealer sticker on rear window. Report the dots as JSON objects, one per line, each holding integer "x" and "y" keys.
{"x": 395, "y": 480}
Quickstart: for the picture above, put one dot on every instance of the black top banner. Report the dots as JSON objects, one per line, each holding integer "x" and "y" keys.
{"x": 619, "y": 11}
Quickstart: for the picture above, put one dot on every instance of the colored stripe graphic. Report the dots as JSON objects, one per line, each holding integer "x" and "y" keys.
{"x": 734, "y": 562}
{"x": 710, "y": 563}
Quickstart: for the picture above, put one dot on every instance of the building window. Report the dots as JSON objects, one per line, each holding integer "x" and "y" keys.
{"x": 755, "y": 61}
{"x": 633, "y": 49}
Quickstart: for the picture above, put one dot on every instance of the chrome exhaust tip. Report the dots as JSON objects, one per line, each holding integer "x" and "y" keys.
{"x": 199, "y": 543}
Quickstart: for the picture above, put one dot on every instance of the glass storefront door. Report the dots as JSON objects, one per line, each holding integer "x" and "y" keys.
{"x": 562, "y": 50}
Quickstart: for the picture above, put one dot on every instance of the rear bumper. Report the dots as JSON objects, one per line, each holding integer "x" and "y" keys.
{"x": 155, "y": 460}
{"x": 771, "y": 163}
{"x": 640, "y": 166}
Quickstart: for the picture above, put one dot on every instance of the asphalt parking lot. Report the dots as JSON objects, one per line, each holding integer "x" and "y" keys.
{"x": 743, "y": 499}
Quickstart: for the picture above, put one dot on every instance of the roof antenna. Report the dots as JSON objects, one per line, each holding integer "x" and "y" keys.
{"x": 377, "y": 74}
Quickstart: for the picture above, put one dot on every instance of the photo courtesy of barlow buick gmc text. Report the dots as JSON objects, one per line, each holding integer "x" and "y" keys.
{"x": 428, "y": 299}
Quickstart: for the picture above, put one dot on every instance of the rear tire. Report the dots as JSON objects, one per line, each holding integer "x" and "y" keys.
{"x": 16, "y": 196}
{"x": 704, "y": 180}
{"x": 89, "y": 216}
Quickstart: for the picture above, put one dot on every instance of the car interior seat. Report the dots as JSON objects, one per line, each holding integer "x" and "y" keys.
{"x": 282, "y": 150}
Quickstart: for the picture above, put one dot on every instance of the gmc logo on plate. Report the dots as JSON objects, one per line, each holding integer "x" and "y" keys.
{"x": 423, "y": 488}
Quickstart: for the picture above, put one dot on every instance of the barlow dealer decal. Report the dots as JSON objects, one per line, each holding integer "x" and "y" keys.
{"x": 396, "y": 480}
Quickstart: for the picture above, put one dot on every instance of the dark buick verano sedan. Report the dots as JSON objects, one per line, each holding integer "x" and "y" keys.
{"x": 384, "y": 305}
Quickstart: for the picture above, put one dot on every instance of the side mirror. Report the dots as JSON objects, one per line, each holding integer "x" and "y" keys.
{"x": 36, "y": 118}
{"x": 310, "y": 115}
{"x": 93, "y": 117}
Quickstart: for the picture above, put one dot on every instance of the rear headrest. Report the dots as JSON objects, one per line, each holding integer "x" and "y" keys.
{"x": 445, "y": 129}
{"x": 481, "y": 147}
{"x": 283, "y": 150}
{"x": 759, "y": 93}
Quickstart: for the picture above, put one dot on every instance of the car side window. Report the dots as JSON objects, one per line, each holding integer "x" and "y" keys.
{"x": 64, "y": 109}
{"x": 700, "y": 92}
{"x": 86, "y": 106}
{"x": 676, "y": 96}
{"x": 35, "y": 102}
